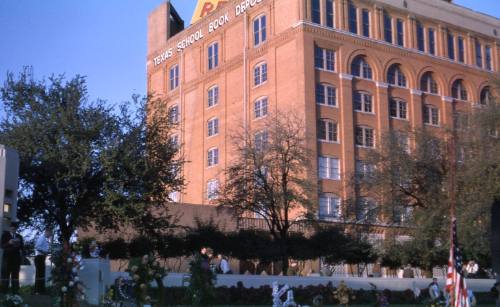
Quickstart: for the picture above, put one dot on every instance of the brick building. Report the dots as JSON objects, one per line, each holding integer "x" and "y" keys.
{"x": 353, "y": 69}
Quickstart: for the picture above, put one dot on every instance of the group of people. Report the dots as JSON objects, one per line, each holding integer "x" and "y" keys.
{"x": 219, "y": 266}
{"x": 443, "y": 298}
{"x": 12, "y": 244}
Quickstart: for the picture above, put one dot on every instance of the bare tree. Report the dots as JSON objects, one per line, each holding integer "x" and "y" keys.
{"x": 269, "y": 178}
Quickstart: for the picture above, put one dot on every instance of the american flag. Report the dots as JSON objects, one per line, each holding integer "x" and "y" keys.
{"x": 455, "y": 281}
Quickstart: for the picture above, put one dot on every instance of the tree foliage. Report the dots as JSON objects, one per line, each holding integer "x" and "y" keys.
{"x": 268, "y": 177}
{"x": 414, "y": 186}
{"x": 83, "y": 164}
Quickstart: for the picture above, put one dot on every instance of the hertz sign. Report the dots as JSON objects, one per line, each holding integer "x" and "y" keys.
{"x": 205, "y": 7}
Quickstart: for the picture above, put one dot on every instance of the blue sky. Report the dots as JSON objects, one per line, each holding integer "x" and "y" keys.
{"x": 104, "y": 40}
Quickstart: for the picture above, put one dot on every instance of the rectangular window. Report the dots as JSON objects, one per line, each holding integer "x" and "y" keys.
{"x": 366, "y": 22}
{"x": 432, "y": 42}
{"x": 420, "y": 37}
{"x": 431, "y": 115}
{"x": 260, "y": 108}
{"x": 329, "y": 13}
{"x": 212, "y": 189}
{"x": 387, "y": 28}
{"x": 479, "y": 53}
{"x": 461, "y": 49}
{"x": 329, "y": 168}
{"x": 259, "y": 30}
{"x": 213, "y": 127}
{"x": 487, "y": 51}
{"x": 451, "y": 46}
{"x": 401, "y": 32}
{"x": 260, "y": 140}
{"x": 353, "y": 18}
{"x": 327, "y": 131}
{"x": 365, "y": 137}
{"x": 213, "y": 157}
{"x": 329, "y": 206}
{"x": 363, "y": 102}
{"x": 324, "y": 59}
{"x": 173, "y": 114}
{"x": 398, "y": 109}
{"x": 326, "y": 95}
{"x": 364, "y": 170}
{"x": 316, "y": 11}
{"x": 213, "y": 96}
{"x": 213, "y": 56}
{"x": 174, "y": 77}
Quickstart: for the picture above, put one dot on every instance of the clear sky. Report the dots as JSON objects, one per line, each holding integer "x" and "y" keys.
{"x": 104, "y": 40}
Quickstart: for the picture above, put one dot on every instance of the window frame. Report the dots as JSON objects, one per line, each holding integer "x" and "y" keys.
{"x": 388, "y": 31}
{"x": 173, "y": 77}
{"x": 326, "y": 56}
{"x": 365, "y": 137}
{"x": 459, "y": 90}
{"x": 212, "y": 184}
{"x": 363, "y": 102}
{"x": 431, "y": 33}
{"x": 259, "y": 33}
{"x": 213, "y": 55}
{"x": 261, "y": 108}
{"x": 212, "y": 127}
{"x": 174, "y": 114}
{"x": 430, "y": 83}
{"x": 212, "y": 157}
{"x": 398, "y": 76}
{"x": 331, "y": 168}
{"x": 212, "y": 96}
{"x": 365, "y": 22}
{"x": 420, "y": 32}
{"x": 431, "y": 111}
{"x": 400, "y": 104}
{"x": 325, "y": 89}
{"x": 362, "y": 66}
{"x": 332, "y": 207}
{"x": 324, "y": 130}
{"x": 261, "y": 67}
{"x": 352, "y": 18}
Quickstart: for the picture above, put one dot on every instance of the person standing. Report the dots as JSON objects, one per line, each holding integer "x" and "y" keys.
{"x": 42, "y": 248}
{"x": 12, "y": 244}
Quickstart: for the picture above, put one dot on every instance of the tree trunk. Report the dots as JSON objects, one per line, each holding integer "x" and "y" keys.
{"x": 284, "y": 253}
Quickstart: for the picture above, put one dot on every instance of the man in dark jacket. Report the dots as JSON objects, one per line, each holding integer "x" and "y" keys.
{"x": 12, "y": 244}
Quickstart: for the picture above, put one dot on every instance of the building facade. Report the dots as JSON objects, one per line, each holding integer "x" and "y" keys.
{"x": 353, "y": 70}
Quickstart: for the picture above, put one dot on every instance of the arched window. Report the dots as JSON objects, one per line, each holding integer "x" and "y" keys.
{"x": 428, "y": 84}
{"x": 361, "y": 68}
{"x": 485, "y": 96}
{"x": 260, "y": 74}
{"x": 395, "y": 76}
{"x": 326, "y": 94}
{"x": 458, "y": 90}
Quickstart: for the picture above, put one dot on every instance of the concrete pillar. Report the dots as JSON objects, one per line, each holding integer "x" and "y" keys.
{"x": 495, "y": 56}
{"x": 339, "y": 14}
{"x": 470, "y": 50}
{"x": 346, "y": 126}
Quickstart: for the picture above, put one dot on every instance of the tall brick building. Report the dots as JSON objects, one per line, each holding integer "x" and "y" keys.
{"x": 352, "y": 69}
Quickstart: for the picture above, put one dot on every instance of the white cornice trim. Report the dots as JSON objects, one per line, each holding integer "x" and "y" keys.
{"x": 381, "y": 84}
{"x": 416, "y": 92}
{"x": 447, "y": 99}
{"x": 346, "y": 76}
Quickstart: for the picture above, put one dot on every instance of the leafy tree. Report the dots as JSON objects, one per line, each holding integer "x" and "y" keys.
{"x": 416, "y": 186}
{"x": 83, "y": 165}
{"x": 268, "y": 178}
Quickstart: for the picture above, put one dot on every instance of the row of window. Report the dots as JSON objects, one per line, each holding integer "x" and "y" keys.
{"x": 259, "y": 37}
{"x": 367, "y": 210}
{"x": 324, "y": 59}
{"x": 394, "y": 32}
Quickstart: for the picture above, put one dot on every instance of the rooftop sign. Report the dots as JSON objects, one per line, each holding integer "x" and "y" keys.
{"x": 205, "y": 7}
